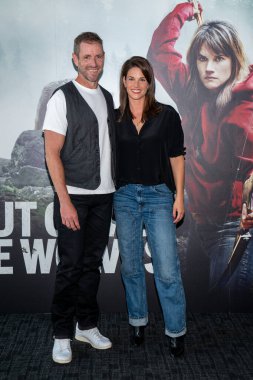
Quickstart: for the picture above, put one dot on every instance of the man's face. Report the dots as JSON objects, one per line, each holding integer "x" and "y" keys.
{"x": 214, "y": 69}
{"x": 90, "y": 63}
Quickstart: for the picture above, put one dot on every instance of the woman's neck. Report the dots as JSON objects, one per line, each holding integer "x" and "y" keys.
{"x": 136, "y": 107}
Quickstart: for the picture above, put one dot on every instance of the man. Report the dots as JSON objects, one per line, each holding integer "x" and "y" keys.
{"x": 79, "y": 146}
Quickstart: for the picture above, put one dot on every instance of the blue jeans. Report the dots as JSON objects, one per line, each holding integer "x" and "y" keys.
{"x": 217, "y": 241}
{"x": 136, "y": 206}
{"x": 209, "y": 248}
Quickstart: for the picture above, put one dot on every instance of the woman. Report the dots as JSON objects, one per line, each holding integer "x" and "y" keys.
{"x": 150, "y": 166}
{"x": 214, "y": 95}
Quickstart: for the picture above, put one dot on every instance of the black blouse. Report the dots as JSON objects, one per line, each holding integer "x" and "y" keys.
{"x": 144, "y": 158}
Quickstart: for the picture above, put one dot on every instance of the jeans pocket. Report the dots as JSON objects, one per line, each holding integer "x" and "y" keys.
{"x": 162, "y": 189}
{"x": 121, "y": 189}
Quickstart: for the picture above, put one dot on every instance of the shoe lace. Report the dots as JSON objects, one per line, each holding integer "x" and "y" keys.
{"x": 64, "y": 344}
{"x": 95, "y": 332}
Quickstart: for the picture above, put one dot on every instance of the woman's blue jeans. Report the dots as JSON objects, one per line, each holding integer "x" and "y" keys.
{"x": 136, "y": 206}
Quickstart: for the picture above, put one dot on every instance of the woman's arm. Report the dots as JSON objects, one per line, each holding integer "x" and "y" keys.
{"x": 178, "y": 169}
{"x": 169, "y": 69}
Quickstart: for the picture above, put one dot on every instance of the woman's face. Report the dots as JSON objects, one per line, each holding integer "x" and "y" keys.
{"x": 136, "y": 84}
{"x": 214, "y": 69}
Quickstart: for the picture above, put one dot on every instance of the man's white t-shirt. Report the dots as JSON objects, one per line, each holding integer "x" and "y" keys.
{"x": 56, "y": 121}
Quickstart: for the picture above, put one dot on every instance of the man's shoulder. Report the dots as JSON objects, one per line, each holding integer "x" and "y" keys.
{"x": 66, "y": 87}
{"x": 69, "y": 86}
{"x": 105, "y": 92}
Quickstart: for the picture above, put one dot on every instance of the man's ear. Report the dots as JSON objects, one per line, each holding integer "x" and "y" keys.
{"x": 75, "y": 60}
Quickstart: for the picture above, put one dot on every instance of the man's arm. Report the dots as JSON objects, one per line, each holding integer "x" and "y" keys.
{"x": 53, "y": 145}
{"x": 178, "y": 169}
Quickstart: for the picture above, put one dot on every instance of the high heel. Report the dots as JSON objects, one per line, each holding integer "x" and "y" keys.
{"x": 138, "y": 335}
{"x": 177, "y": 346}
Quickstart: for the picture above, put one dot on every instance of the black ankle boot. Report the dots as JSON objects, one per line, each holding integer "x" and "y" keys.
{"x": 177, "y": 346}
{"x": 138, "y": 335}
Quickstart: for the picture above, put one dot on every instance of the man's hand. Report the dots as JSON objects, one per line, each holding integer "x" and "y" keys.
{"x": 69, "y": 216}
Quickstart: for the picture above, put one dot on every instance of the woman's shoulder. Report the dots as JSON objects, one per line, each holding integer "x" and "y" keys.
{"x": 119, "y": 119}
{"x": 166, "y": 108}
{"x": 246, "y": 85}
{"x": 118, "y": 116}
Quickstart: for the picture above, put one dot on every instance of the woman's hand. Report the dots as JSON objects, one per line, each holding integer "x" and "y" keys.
{"x": 246, "y": 218}
{"x": 178, "y": 209}
{"x": 188, "y": 11}
{"x": 247, "y": 212}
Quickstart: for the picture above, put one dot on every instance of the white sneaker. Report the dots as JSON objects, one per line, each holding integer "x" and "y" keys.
{"x": 93, "y": 337}
{"x": 62, "y": 351}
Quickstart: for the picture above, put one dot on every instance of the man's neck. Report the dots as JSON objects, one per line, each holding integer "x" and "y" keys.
{"x": 85, "y": 83}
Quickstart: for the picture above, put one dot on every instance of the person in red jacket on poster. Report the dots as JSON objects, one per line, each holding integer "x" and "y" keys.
{"x": 214, "y": 95}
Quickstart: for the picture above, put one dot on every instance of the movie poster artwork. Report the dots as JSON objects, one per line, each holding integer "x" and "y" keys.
{"x": 201, "y": 54}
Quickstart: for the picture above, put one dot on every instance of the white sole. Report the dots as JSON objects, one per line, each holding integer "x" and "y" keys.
{"x": 59, "y": 361}
{"x": 85, "y": 340}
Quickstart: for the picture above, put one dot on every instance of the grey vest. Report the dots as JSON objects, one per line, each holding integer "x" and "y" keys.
{"x": 80, "y": 153}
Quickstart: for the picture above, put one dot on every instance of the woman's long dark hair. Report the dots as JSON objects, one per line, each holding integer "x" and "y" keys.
{"x": 151, "y": 108}
{"x": 221, "y": 38}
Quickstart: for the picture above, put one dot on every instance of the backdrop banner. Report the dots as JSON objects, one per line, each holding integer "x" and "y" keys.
{"x": 207, "y": 78}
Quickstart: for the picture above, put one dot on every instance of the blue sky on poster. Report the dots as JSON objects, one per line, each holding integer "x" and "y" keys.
{"x": 37, "y": 40}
